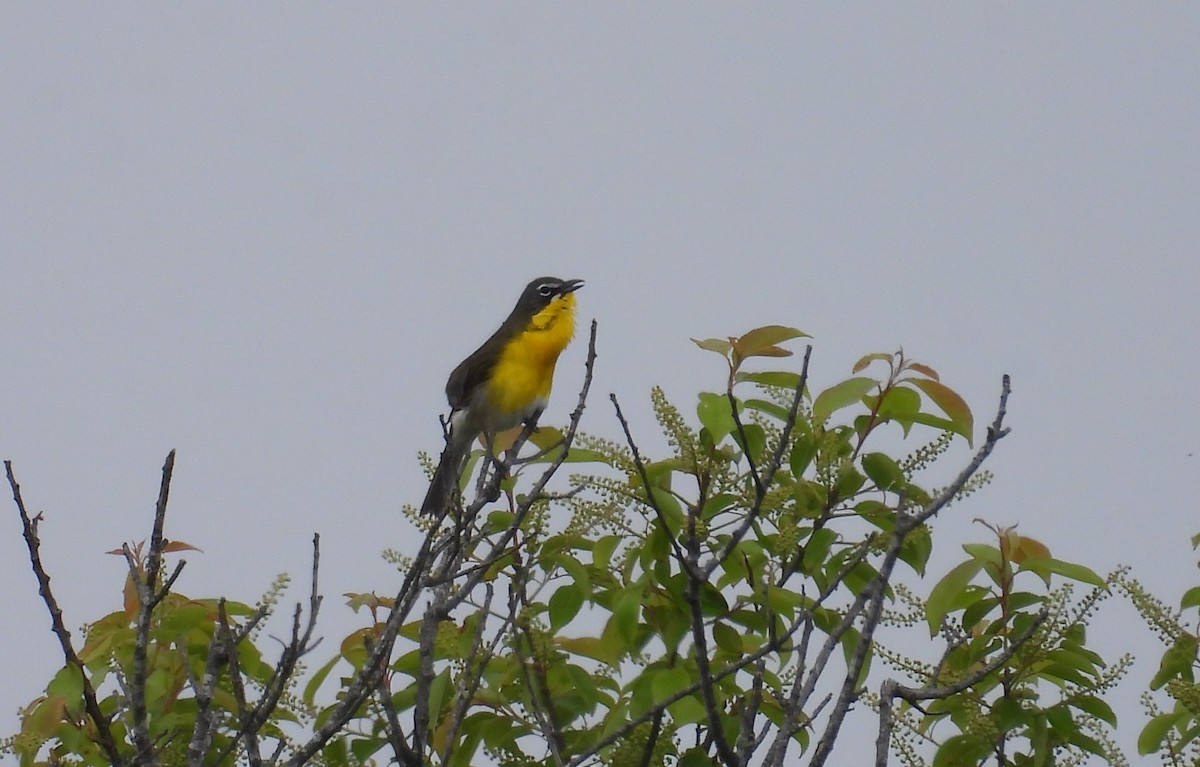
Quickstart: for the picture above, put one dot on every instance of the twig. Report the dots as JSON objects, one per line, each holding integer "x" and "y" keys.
{"x": 640, "y": 465}
{"x": 760, "y": 490}
{"x": 149, "y": 595}
{"x": 652, "y": 741}
{"x": 716, "y": 730}
{"x": 247, "y": 730}
{"x": 472, "y": 674}
{"x": 876, "y": 590}
{"x": 405, "y": 756}
{"x": 540, "y": 698}
{"x": 103, "y": 731}
{"x": 891, "y": 689}
{"x": 204, "y": 687}
{"x": 996, "y": 432}
{"x": 252, "y": 720}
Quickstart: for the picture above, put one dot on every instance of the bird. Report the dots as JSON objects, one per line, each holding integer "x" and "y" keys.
{"x": 506, "y": 381}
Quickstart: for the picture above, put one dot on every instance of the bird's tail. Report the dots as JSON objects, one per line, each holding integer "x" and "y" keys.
{"x": 444, "y": 484}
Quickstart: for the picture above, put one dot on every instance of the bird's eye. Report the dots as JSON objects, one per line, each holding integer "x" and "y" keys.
{"x": 546, "y": 290}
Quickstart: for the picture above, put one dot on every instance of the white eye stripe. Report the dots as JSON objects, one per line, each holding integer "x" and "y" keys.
{"x": 547, "y": 288}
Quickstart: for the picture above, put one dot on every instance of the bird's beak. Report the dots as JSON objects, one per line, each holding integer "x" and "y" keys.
{"x": 570, "y": 286}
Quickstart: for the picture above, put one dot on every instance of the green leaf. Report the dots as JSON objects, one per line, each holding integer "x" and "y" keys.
{"x": 1191, "y": 598}
{"x": 816, "y": 549}
{"x": 1155, "y": 731}
{"x": 945, "y": 594}
{"x": 953, "y": 405}
{"x": 960, "y": 751}
{"x": 365, "y": 747}
{"x": 718, "y": 345}
{"x": 1061, "y": 721}
{"x": 728, "y": 639}
{"x": 1075, "y": 572}
{"x": 625, "y": 615}
{"x": 579, "y": 455}
{"x": 1091, "y": 745}
{"x": 838, "y": 396}
{"x": 1097, "y": 707}
{"x": 67, "y": 684}
{"x": 916, "y": 549}
{"x": 439, "y": 694}
{"x": 717, "y": 503}
{"x": 849, "y": 481}
{"x": 715, "y": 414}
{"x": 603, "y": 550}
{"x": 335, "y": 754}
{"x": 592, "y": 647}
{"x": 773, "y": 409}
{"x": 696, "y": 757}
{"x": 900, "y": 403}
{"x": 666, "y": 502}
{"x": 784, "y": 379}
{"x": 1176, "y": 661}
{"x": 849, "y": 642}
{"x": 977, "y": 611}
{"x": 689, "y": 710}
{"x": 934, "y": 421}
{"x": 668, "y": 682}
{"x": 983, "y": 553}
{"x": 712, "y": 601}
{"x": 573, "y": 567}
{"x": 754, "y": 443}
{"x": 318, "y": 678}
{"x": 783, "y": 600}
{"x": 1008, "y": 714}
{"x": 769, "y": 335}
{"x": 804, "y": 449}
{"x": 564, "y": 605}
{"x": 883, "y": 471}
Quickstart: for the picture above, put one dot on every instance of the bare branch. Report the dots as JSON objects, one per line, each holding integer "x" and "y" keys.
{"x": 149, "y": 595}
{"x": 405, "y": 756}
{"x": 876, "y": 591}
{"x": 247, "y": 730}
{"x": 645, "y": 477}
{"x": 252, "y": 720}
{"x": 716, "y": 730}
{"x": 540, "y": 698}
{"x": 30, "y": 531}
{"x": 996, "y": 432}
{"x": 472, "y": 676}
{"x": 202, "y": 731}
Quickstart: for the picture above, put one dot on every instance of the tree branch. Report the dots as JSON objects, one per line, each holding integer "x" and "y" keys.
{"x": 891, "y": 689}
{"x": 30, "y": 531}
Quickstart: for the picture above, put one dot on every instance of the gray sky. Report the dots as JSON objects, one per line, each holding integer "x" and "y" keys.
{"x": 264, "y": 234}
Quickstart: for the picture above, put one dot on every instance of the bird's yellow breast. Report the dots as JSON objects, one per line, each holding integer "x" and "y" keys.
{"x": 520, "y": 382}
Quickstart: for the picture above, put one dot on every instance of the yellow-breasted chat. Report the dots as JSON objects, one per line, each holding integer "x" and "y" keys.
{"x": 506, "y": 381}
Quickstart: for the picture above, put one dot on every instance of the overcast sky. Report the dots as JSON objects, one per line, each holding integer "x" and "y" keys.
{"x": 263, "y": 234}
